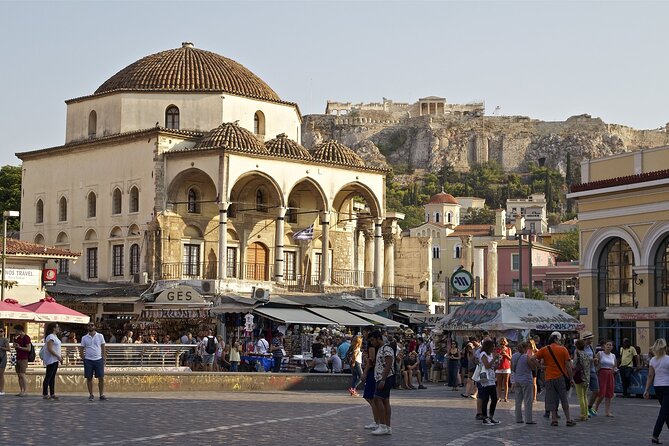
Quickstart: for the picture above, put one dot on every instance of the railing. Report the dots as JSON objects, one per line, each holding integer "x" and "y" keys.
{"x": 400, "y": 292}
{"x": 348, "y": 277}
{"x": 122, "y": 355}
{"x": 189, "y": 270}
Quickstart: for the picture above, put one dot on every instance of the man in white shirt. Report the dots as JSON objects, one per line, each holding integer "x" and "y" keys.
{"x": 262, "y": 346}
{"x": 95, "y": 356}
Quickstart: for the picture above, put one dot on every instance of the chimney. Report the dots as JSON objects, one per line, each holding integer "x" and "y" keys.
{"x": 500, "y": 222}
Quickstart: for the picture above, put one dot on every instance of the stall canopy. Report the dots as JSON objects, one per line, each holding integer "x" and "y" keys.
{"x": 341, "y": 317}
{"x": 292, "y": 316}
{"x": 509, "y": 313}
{"x": 11, "y": 309}
{"x": 376, "y": 319}
{"x": 48, "y": 310}
{"x": 428, "y": 319}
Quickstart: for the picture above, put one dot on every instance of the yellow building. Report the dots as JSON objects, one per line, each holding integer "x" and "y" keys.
{"x": 623, "y": 214}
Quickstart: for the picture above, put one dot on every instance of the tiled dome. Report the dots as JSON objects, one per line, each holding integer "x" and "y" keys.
{"x": 335, "y": 152}
{"x": 230, "y": 135}
{"x": 283, "y": 146}
{"x": 443, "y": 198}
{"x": 189, "y": 69}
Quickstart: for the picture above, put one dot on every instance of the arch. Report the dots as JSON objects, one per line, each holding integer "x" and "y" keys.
{"x": 243, "y": 192}
{"x": 39, "y": 239}
{"x": 457, "y": 251}
{"x": 193, "y": 196}
{"x": 192, "y": 232}
{"x": 652, "y": 241}
{"x": 449, "y": 217}
{"x": 133, "y": 231}
{"x": 356, "y": 188}
{"x": 592, "y": 251}
{"x": 91, "y": 205}
{"x": 172, "y": 117}
{"x": 436, "y": 217}
{"x": 62, "y": 209}
{"x": 39, "y": 211}
{"x": 259, "y": 123}
{"x": 177, "y": 191}
{"x": 116, "y": 232}
{"x": 257, "y": 261}
{"x": 133, "y": 205}
{"x": 306, "y": 185}
{"x": 92, "y": 124}
{"x": 117, "y": 201}
{"x": 232, "y": 235}
{"x": 91, "y": 235}
{"x": 134, "y": 259}
{"x": 62, "y": 239}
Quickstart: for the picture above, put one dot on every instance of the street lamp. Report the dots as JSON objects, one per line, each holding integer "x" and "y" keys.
{"x": 5, "y": 216}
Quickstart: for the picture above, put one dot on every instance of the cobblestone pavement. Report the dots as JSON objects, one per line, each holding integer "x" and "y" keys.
{"x": 435, "y": 416}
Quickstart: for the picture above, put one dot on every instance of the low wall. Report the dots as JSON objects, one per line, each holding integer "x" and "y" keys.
{"x": 72, "y": 381}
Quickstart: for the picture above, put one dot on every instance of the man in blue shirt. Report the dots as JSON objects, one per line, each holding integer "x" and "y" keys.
{"x": 277, "y": 351}
{"x": 342, "y": 350}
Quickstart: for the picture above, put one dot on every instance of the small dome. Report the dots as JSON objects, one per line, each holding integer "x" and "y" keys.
{"x": 335, "y": 152}
{"x": 189, "y": 69}
{"x": 230, "y": 135}
{"x": 443, "y": 198}
{"x": 285, "y": 147}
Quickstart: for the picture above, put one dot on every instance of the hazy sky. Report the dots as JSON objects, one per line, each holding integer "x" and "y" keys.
{"x": 547, "y": 60}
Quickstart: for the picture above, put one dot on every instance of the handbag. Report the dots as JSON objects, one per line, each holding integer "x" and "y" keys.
{"x": 476, "y": 376}
{"x": 578, "y": 371}
{"x": 567, "y": 381}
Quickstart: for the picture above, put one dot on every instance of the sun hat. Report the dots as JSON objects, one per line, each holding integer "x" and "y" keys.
{"x": 556, "y": 335}
{"x": 587, "y": 335}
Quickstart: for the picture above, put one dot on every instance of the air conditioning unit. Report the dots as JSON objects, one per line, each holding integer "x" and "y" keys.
{"x": 369, "y": 293}
{"x": 260, "y": 293}
{"x": 209, "y": 286}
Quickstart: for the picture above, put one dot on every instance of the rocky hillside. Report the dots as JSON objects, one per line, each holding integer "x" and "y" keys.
{"x": 426, "y": 143}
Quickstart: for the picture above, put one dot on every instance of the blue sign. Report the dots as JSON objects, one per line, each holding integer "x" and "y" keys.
{"x": 583, "y": 311}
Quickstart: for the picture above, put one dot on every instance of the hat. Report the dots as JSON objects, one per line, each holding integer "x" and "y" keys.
{"x": 587, "y": 335}
{"x": 556, "y": 335}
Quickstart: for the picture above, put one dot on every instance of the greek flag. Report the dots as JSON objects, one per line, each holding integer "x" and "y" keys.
{"x": 305, "y": 234}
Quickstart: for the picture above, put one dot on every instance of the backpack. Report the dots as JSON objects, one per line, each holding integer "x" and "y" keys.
{"x": 348, "y": 359}
{"x": 31, "y": 354}
{"x": 211, "y": 345}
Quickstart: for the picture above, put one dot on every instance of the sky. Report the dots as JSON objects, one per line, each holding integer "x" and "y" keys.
{"x": 545, "y": 59}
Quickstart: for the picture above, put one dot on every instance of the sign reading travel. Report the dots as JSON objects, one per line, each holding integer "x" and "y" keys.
{"x": 180, "y": 295}
{"x": 462, "y": 281}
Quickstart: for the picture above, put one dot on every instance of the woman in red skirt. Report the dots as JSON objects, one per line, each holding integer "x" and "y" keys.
{"x": 608, "y": 365}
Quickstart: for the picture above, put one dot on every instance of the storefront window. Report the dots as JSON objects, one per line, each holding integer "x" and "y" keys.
{"x": 662, "y": 274}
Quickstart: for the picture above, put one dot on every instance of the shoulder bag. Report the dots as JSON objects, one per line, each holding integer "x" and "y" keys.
{"x": 578, "y": 370}
{"x": 567, "y": 381}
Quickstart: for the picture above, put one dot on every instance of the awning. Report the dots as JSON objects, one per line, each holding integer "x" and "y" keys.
{"x": 232, "y": 307}
{"x": 375, "y": 318}
{"x": 341, "y": 317}
{"x": 292, "y": 316}
{"x": 421, "y": 318}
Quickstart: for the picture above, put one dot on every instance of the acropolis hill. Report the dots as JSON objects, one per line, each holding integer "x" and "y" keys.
{"x": 426, "y": 134}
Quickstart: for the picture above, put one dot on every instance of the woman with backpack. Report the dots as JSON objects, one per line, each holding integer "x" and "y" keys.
{"x": 354, "y": 358}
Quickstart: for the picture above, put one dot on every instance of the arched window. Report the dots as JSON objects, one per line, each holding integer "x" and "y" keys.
{"x": 436, "y": 217}
{"x": 134, "y": 200}
{"x": 457, "y": 252}
{"x": 39, "y": 239}
{"x": 39, "y": 211}
{"x": 172, "y": 117}
{"x": 92, "y": 124}
{"x": 134, "y": 259}
{"x": 193, "y": 201}
{"x": 117, "y": 201}
{"x": 615, "y": 280}
{"x": 435, "y": 252}
{"x": 260, "y": 201}
{"x": 259, "y": 123}
{"x": 450, "y": 218}
{"x": 62, "y": 209}
{"x": 662, "y": 274}
{"x": 92, "y": 205}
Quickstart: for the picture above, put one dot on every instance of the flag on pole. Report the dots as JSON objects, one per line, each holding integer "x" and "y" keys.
{"x": 305, "y": 234}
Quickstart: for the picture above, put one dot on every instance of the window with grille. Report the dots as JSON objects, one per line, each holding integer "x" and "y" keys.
{"x": 231, "y": 262}
{"x": 117, "y": 201}
{"x": 191, "y": 260}
{"x": 172, "y": 117}
{"x": 193, "y": 202}
{"x": 91, "y": 205}
{"x": 134, "y": 259}
{"x": 117, "y": 260}
{"x": 92, "y": 263}
{"x": 64, "y": 267}
{"x": 62, "y": 209}
{"x": 134, "y": 199}
{"x": 39, "y": 211}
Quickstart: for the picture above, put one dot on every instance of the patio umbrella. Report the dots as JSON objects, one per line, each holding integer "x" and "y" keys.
{"x": 509, "y": 313}
{"x": 48, "y": 310}
{"x": 11, "y": 309}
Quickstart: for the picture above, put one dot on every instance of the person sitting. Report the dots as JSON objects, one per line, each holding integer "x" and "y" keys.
{"x": 412, "y": 368}
{"x": 319, "y": 363}
{"x": 335, "y": 361}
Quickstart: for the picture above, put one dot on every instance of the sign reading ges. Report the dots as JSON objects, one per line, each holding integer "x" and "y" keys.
{"x": 462, "y": 281}
{"x": 180, "y": 295}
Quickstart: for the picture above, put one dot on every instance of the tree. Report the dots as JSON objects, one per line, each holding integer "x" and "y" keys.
{"x": 568, "y": 246}
{"x": 483, "y": 216}
{"x": 10, "y": 193}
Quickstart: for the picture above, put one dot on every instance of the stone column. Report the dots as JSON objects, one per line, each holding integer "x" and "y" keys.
{"x": 359, "y": 258}
{"x": 378, "y": 255}
{"x": 279, "y": 264}
{"x": 467, "y": 254}
{"x": 492, "y": 270}
{"x": 369, "y": 257}
{"x": 325, "y": 250}
{"x": 389, "y": 259}
{"x": 222, "y": 240}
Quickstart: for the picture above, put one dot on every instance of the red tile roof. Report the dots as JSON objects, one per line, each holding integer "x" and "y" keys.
{"x": 21, "y": 248}
{"x": 475, "y": 230}
{"x": 620, "y": 181}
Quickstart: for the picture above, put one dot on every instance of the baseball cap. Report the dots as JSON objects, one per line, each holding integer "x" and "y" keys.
{"x": 587, "y": 335}
{"x": 556, "y": 335}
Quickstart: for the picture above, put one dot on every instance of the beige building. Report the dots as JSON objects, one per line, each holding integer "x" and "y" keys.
{"x": 532, "y": 209}
{"x": 186, "y": 166}
{"x": 623, "y": 215}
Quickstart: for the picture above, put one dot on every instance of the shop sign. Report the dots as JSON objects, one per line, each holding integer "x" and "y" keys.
{"x": 180, "y": 295}
{"x": 175, "y": 314}
{"x": 583, "y": 311}
{"x": 49, "y": 276}
{"x": 23, "y": 275}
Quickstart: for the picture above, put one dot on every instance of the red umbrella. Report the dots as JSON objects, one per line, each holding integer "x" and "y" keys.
{"x": 11, "y": 309}
{"x": 48, "y": 310}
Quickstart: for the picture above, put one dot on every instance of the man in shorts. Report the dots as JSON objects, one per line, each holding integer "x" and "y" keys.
{"x": 22, "y": 346}
{"x": 384, "y": 376}
{"x": 95, "y": 355}
{"x": 587, "y": 337}
{"x": 558, "y": 364}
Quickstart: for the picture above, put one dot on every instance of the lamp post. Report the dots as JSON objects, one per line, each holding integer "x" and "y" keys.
{"x": 519, "y": 236}
{"x": 5, "y": 216}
